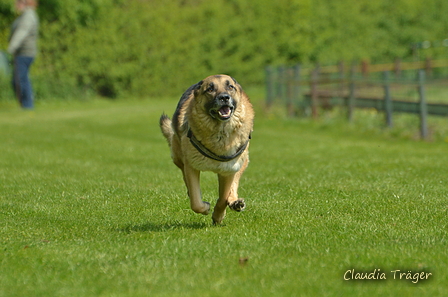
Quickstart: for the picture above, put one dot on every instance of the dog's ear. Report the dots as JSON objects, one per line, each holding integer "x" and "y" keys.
{"x": 237, "y": 85}
{"x": 197, "y": 87}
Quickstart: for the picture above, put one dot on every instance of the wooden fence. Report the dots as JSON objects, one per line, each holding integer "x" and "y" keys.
{"x": 362, "y": 86}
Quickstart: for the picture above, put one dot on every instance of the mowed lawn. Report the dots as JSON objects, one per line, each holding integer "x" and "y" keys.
{"x": 91, "y": 205}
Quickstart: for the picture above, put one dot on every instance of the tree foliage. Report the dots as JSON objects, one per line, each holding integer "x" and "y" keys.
{"x": 113, "y": 47}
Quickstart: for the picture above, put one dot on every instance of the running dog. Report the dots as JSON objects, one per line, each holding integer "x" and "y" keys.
{"x": 210, "y": 131}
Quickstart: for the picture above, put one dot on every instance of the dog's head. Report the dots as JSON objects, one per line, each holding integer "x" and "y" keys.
{"x": 219, "y": 95}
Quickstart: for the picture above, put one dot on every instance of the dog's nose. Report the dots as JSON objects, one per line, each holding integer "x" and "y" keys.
{"x": 223, "y": 98}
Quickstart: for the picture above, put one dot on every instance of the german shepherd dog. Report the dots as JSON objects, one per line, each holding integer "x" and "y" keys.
{"x": 210, "y": 131}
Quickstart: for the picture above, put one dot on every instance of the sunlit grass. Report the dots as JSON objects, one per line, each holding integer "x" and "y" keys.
{"x": 92, "y": 206}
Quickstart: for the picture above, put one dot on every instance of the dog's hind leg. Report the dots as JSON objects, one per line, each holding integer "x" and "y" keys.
{"x": 192, "y": 181}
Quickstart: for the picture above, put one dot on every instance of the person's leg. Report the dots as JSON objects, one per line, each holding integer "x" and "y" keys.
{"x": 15, "y": 80}
{"x": 22, "y": 81}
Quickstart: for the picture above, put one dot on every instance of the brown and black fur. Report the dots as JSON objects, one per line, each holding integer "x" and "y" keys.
{"x": 220, "y": 116}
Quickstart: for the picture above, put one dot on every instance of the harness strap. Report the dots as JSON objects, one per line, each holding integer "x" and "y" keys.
{"x": 209, "y": 154}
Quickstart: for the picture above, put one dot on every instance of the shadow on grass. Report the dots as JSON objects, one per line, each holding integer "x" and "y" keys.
{"x": 152, "y": 227}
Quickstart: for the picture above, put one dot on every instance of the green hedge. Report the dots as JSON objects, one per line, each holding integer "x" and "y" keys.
{"x": 149, "y": 48}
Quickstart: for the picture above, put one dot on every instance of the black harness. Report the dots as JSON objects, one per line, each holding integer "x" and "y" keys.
{"x": 209, "y": 154}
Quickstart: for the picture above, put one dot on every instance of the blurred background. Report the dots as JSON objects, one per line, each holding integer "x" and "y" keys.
{"x": 143, "y": 48}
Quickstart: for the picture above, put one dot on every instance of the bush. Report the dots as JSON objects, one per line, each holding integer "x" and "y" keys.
{"x": 145, "y": 48}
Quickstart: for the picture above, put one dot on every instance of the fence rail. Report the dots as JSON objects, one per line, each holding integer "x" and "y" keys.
{"x": 364, "y": 86}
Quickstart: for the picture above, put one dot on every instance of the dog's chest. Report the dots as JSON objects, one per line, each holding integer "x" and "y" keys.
{"x": 224, "y": 140}
{"x": 222, "y": 136}
{"x": 202, "y": 163}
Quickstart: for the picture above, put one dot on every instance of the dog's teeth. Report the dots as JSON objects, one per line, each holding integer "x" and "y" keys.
{"x": 225, "y": 111}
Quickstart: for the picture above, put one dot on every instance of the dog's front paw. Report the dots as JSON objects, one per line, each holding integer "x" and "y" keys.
{"x": 207, "y": 211}
{"x": 218, "y": 217}
{"x": 238, "y": 205}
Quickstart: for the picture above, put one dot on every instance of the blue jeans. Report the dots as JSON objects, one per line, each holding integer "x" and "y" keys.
{"x": 21, "y": 81}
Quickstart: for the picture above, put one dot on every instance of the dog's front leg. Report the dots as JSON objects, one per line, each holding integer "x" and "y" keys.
{"x": 228, "y": 195}
{"x": 225, "y": 187}
{"x": 192, "y": 181}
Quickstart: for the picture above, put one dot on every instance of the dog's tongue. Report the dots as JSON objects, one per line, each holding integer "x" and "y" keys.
{"x": 225, "y": 111}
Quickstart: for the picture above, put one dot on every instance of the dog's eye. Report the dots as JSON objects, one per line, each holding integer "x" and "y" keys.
{"x": 210, "y": 89}
{"x": 231, "y": 87}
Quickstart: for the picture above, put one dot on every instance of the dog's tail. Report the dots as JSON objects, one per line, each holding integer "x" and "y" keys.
{"x": 167, "y": 129}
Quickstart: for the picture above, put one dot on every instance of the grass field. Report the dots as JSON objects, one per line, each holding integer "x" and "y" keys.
{"x": 91, "y": 205}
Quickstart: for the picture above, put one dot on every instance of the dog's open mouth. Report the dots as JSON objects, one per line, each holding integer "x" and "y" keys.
{"x": 223, "y": 113}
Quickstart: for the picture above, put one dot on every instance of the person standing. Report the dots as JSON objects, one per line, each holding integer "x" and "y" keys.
{"x": 23, "y": 48}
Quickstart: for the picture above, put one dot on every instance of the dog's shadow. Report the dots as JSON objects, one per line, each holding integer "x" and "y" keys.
{"x": 164, "y": 227}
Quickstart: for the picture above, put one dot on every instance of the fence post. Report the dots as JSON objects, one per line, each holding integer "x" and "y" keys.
{"x": 365, "y": 68}
{"x": 314, "y": 94}
{"x": 428, "y": 66}
{"x": 397, "y": 67}
{"x": 351, "y": 95}
{"x": 269, "y": 87}
{"x": 422, "y": 104}
{"x": 387, "y": 99}
{"x": 341, "y": 78}
{"x": 289, "y": 76}
{"x": 280, "y": 83}
{"x": 296, "y": 89}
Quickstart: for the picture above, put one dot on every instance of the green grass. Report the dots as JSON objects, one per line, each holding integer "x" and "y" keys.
{"x": 91, "y": 205}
